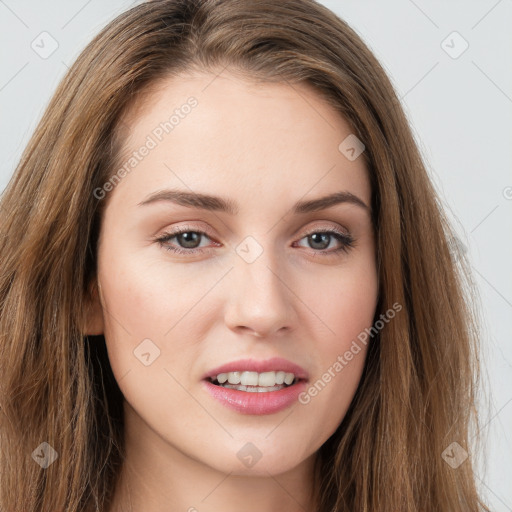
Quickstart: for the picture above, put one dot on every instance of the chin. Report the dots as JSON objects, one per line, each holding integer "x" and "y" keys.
{"x": 259, "y": 456}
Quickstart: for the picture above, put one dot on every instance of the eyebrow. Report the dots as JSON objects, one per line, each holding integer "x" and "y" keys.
{"x": 219, "y": 204}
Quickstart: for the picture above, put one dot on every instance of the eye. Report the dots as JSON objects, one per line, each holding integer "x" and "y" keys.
{"x": 320, "y": 240}
{"x": 189, "y": 241}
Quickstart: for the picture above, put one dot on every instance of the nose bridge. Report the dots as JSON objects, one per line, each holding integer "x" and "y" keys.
{"x": 260, "y": 298}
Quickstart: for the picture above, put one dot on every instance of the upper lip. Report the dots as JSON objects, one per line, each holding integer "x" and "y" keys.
{"x": 260, "y": 366}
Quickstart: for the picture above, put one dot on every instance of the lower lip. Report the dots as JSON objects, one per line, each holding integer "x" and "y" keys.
{"x": 266, "y": 402}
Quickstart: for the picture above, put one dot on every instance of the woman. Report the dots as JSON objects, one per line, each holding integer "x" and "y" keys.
{"x": 243, "y": 365}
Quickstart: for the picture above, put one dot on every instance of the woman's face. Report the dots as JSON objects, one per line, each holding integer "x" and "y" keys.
{"x": 255, "y": 283}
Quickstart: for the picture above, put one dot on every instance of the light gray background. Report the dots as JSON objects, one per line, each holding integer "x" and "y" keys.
{"x": 460, "y": 109}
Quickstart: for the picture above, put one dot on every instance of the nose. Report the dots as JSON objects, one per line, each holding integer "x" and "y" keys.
{"x": 261, "y": 301}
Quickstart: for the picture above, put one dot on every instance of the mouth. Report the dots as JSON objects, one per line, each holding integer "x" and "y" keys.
{"x": 256, "y": 386}
{"x": 255, "y": 382}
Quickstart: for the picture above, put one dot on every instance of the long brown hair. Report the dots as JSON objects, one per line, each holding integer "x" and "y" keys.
{"x": 417, "y": 393}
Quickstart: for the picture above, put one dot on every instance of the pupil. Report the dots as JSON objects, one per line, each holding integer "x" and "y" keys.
{"x": 189, "y": 236}
{"x": 319, "y": 235}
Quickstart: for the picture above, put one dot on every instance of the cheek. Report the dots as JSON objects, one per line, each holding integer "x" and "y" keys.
{"x": 346, "y": 310}
{"x": 145, "y": 298}
{"x": 148, "y": 329}
{"x": 343, "y": 300}
{"x": 144, "y": 305}
{"x": 151, "y": 312}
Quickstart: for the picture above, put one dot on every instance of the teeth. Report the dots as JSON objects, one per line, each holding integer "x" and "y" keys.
{"x": 253, "y": 389}
{"x": 288, "y": 378}
{"x": 234, "y": 377}
{"x": 280, "y": 377}
{"x": 265, "y": 379}
{"x": 249, "y": 379}
{"x": 222, "y": 377}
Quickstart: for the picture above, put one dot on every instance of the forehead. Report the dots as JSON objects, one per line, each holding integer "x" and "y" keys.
{"x": 239, "y": 135}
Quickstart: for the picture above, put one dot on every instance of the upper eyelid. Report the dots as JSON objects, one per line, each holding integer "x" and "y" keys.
{"x": 309, "y": 230}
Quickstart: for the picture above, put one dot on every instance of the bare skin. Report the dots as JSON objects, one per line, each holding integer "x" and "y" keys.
{"x": 263, "y": 147}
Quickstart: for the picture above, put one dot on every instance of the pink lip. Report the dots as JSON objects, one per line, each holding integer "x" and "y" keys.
{"x": 260, "y": 366}
{"x": 266, "y": 402}
{"x": 246, "y": 402}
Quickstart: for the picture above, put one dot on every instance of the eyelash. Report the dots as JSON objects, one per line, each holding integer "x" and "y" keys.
{"x": 346, "y": 240}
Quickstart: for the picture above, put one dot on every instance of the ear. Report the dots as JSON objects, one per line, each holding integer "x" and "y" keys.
{"x": 93, "y": 324}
